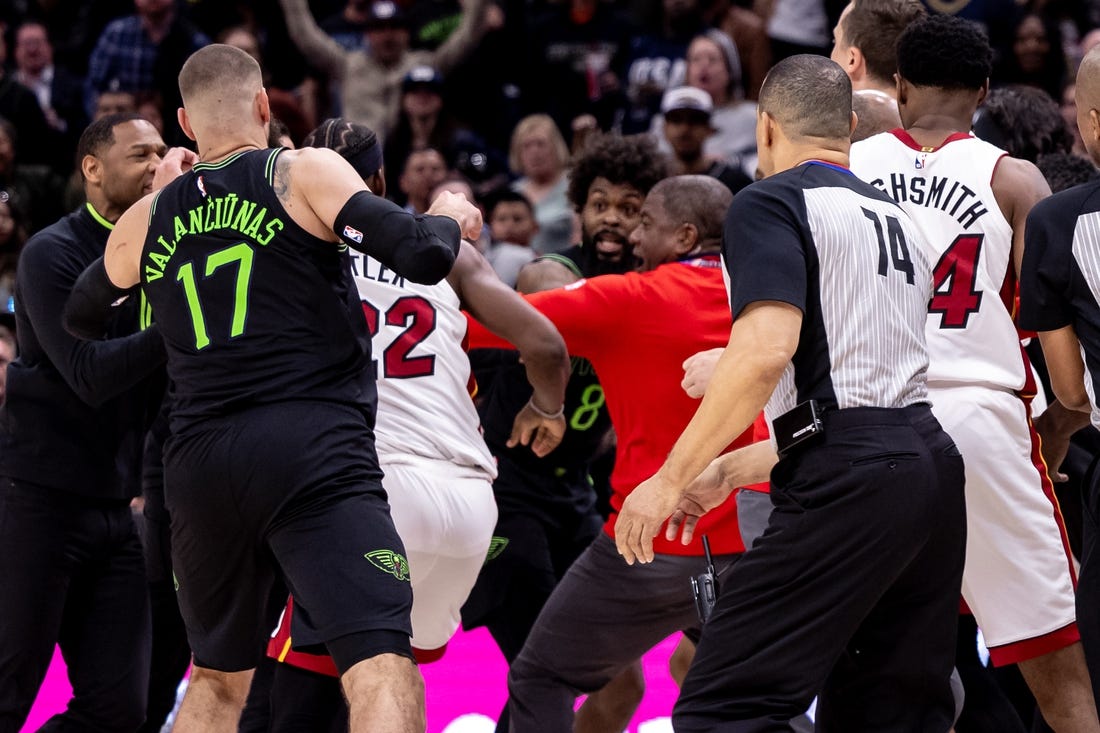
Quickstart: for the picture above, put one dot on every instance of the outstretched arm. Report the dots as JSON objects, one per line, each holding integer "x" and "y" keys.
{"x": 320, "y": 50}
{"x": 541, "y": 348}
{"x": 465, "y": 37}
{"x": 325, "y": 196}
{"x": 729, "y": 471}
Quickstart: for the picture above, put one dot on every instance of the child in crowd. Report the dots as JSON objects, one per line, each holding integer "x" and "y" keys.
{"x": 512, "y": 225}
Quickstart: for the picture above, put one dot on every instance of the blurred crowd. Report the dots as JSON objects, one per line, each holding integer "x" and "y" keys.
{"x": 473, "y": 95}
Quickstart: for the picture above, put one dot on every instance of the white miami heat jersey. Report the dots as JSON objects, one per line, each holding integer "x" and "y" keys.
{"x": 947, "y": 191}
{"x": 418, "y": 334}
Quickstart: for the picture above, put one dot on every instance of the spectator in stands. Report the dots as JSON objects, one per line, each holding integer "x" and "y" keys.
{"x": 114, "y": 102}
{"x": 714, "y": 67}
{"x": 654, "y": 62}
{"x": 349, "y": 26}
{"x": 59, "y": 92}
{"x": 143, "y": 53}
{"x": 424, "y": 121}
{"x": 1035, "y": 58}
{"x": 13, "y": 235}
{"x": 424, "y": 170}
{"x": 20, "y": 108}
{"x": 512, "y": 226}
{"x": 570, "y": 48}
{"x": 750, "y": 36}
{"x": 34, "y": 189}
{"x": 370, "y": 80}
{"x": 539, "y": 157}
{"x": 686, "y": 116}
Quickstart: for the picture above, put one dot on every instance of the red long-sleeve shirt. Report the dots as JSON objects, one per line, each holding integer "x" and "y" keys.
{"x": 637, "y": 329}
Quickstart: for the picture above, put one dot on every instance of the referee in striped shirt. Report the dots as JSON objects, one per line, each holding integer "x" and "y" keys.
{"x": 853, "y": 590}
{"x": 1060, "y": 299}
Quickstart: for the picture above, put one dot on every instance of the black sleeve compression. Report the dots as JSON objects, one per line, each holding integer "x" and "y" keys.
{"x": 96, "y": 370}
{"x": 89, "y": 306}
{"x": 419, "y": 248}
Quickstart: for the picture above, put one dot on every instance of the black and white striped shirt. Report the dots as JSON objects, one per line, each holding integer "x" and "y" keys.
{"x": 820, "y": 239}
{"x": 1060, "y": 277}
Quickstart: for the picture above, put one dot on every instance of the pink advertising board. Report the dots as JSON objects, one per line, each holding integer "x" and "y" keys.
{"x": 465, "y": 690}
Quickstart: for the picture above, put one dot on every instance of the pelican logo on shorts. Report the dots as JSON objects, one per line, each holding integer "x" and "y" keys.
{"x": 496, "y": 546}
{"x": 390, "y": 562}
{"x": 353, "y": 234}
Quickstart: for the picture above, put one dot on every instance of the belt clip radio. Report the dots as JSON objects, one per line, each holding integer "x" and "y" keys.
{"x": 797, "y": 425}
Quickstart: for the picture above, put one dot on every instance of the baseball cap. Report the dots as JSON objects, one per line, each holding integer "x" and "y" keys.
{"x": 386, "y": 14}
{"x": 422, "y": 76}
{"x": 689, "y": 98}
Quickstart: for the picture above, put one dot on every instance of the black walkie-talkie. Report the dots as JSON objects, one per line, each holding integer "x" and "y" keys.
{"x": 704, "y": 587}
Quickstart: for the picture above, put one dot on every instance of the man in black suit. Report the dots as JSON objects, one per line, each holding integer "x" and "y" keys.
{"x": 59, "y": 92}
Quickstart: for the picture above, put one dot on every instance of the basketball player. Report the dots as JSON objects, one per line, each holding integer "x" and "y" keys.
{"x": 438, "y": 469}
{"x": 865, "y": 44}
{"x": 271, "y": 470}
{"x": 970, "y": 202}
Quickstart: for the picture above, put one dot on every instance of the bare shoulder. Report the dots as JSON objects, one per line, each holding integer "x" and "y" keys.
{"x": 123, "y": 253}
{"x": 1018, "y": 185}
{"x": 544, "y": 274}
{"x": 313, "y": 184}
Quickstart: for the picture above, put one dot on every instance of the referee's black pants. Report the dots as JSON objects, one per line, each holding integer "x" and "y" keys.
{"x": 852, "y": 592}
{"x": 72, "y": 573}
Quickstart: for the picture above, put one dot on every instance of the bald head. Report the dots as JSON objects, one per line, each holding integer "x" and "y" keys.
{"x": 877, "y": 112}
{"x": 1088, "y": 102}
{"x": 809, "y": 96}
{"x": 219, "y": 78}
{"x": 697, "y": 200}
{"x": 1088, "y": 80}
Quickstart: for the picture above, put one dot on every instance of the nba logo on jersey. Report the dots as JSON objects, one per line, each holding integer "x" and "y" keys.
{"x": 919, "y": 162}
{"x": 202, "y": 186}
{"x": 353, "y": 234}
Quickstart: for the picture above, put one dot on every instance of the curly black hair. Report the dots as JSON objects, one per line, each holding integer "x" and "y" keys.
{"x": 1066, "y": 170}
{"x": 946, "y": 52}
{"x": 1024, "y": 121}
{"x": 632, "y": 160}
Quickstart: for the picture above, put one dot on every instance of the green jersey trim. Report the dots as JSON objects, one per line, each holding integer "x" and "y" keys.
{"x": 99, "y": 217}
{"x": 564, "y": 262}
{"x": 219, "y": 164}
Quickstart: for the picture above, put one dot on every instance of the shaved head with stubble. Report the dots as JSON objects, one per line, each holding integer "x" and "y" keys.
{"x": 1088, "y": 102}
{"x": 223, "y": 95}
{"x": 805, "y": 101}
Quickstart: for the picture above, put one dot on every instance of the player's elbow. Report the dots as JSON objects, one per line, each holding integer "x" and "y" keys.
{"x": 1071, "y": 394}
{"x": 548, "y": 350}
{"x": 428, "y": 263}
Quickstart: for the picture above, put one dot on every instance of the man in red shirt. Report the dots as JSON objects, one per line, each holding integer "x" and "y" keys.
{"x": 636, "y": 329}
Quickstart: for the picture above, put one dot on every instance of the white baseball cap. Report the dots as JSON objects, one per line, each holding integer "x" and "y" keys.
{"x": 687, "y": 98}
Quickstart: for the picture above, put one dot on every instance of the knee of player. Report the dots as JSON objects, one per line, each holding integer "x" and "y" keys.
{"x": 228, "y": 689}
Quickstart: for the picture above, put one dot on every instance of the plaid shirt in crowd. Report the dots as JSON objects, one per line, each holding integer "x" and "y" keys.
{"x": 124, "y": 57}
